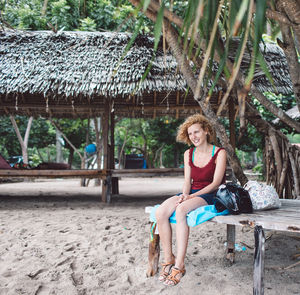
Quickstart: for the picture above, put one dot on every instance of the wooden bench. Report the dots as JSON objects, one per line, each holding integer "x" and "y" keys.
{"x": 285, "y": 219}
{"x": 31, "y": 173}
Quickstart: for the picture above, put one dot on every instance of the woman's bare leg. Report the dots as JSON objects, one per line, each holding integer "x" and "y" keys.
{"x": 182, "y": 229}
{"x": 163, "y": 214}
{"x": 182, "y": 232}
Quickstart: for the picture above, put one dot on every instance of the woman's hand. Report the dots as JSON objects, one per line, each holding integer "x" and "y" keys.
{"x": 182, "y": 198}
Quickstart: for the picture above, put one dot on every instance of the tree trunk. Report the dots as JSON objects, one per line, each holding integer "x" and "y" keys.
{"x": 71, "y": 156}
{"x": 23, "y": 142}
{"x": 282, "y": 158}
{"x": 59, "y": 156}
{"x": 69, "y": 142}
{"x": 288, "y": 16}
{"x": 44, "y": 8}
{"x": 292, "y": 10}
{"x": 121, "y": 154}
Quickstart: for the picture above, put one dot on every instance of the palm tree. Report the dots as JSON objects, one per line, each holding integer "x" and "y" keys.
{"x": 201, "y": 37}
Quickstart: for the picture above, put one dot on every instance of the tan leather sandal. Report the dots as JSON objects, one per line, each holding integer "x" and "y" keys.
{"x": 166, "y": 269}
{"x": 172, "y": 279}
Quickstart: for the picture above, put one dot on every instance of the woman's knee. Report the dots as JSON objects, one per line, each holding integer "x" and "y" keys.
{"x": 166, "y": 209}
{"x": 181, "y": 212}
{"x": 160, "y": 214}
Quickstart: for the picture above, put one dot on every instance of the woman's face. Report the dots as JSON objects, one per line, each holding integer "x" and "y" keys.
{"x": 197, "y": 135}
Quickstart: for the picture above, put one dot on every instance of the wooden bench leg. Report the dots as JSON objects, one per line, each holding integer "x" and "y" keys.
{"x": 106, "y": 189}
{"x": 230, "y": 251}
{"x": 115, "y": 185}
{"x": 154, "y": 252}
{"x": 259, "y": 263}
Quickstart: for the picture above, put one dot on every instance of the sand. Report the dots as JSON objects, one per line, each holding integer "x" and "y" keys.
{"x": 58, "y": 238}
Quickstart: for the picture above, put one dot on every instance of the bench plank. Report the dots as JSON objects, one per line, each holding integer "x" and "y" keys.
{"x": 154, "y": 172}
{"x": 286, "y": 218}
{"x": 86, "y": 173}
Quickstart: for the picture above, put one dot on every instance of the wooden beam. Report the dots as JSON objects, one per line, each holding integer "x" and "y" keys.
{"x": 66, "y": 108}
{"x": 105, "y": 133}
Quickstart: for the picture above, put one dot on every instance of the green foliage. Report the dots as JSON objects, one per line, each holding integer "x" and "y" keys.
{"x": 251, "y": 141}
{"x": 102, "y": 12}
{"x": 148, "y": 137}
{"x": 41, "y": 135}
{"x": 76, "y": 130}
{"x": 258, "y": 168}
{"x": 294, "y": 138}
{"x": 87, "y": 24}
{"x": 63, "y": 16}
{"x": 42, "y": 139}
{"x": 24, "y": 14}
{"x": 69, "y": 15}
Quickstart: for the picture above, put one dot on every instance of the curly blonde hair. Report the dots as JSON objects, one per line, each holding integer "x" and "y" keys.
{"x": 182, "y": 133}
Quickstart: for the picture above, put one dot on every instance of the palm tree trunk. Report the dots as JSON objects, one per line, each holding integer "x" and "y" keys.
{"x": 290, "y": 36}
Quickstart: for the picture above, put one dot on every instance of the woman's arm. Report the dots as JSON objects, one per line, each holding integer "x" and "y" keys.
{"x": 187, "y": 179}
{"x": 218, "y": 175}
{"x": 187, "y": 174}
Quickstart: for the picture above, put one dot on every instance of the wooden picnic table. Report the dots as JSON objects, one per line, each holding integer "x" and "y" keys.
{"x": 285, "y": 219}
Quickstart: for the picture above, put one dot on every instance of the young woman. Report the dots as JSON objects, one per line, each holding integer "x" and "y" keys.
{"x": 204, "y": 171}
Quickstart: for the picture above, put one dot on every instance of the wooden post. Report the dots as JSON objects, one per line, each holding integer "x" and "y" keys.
{"x": 154, "y": 104}
{"x": 114, "y": 180}
{"x": 230, "y": 255}
{"x": 154, "y": 252}
{"x": 99, "y": 146}
{"x": 177, "y": 104}
{"x": 230, "y": 251}
{"x": 105, "y": 130}
{"x": 259, "y": 261}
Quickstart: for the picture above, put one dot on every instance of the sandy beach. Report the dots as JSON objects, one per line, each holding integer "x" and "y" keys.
{"x": 58, "y": 238}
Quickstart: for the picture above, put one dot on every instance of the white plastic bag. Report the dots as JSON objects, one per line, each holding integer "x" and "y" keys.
{"x": 263, "y": 196}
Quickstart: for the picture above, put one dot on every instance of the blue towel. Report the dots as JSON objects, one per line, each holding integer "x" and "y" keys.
{"x": 195, "y": 217}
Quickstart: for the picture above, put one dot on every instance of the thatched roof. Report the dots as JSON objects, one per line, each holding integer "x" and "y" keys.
{"x": 74, "y": 73}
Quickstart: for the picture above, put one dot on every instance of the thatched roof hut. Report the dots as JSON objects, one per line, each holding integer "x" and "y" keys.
{"x": 75, "y": 73}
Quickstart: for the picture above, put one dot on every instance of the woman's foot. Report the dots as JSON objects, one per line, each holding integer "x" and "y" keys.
{"x": 166, "y": 269}
{"x": 175, "y": 276}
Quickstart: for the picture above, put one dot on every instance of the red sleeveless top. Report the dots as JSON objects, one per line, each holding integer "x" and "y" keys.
{"x": 202, "y": 177}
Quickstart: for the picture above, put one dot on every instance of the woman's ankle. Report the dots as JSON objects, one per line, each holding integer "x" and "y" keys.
{"x": 179, "y": 265}
{"x": 169, "y": 258}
